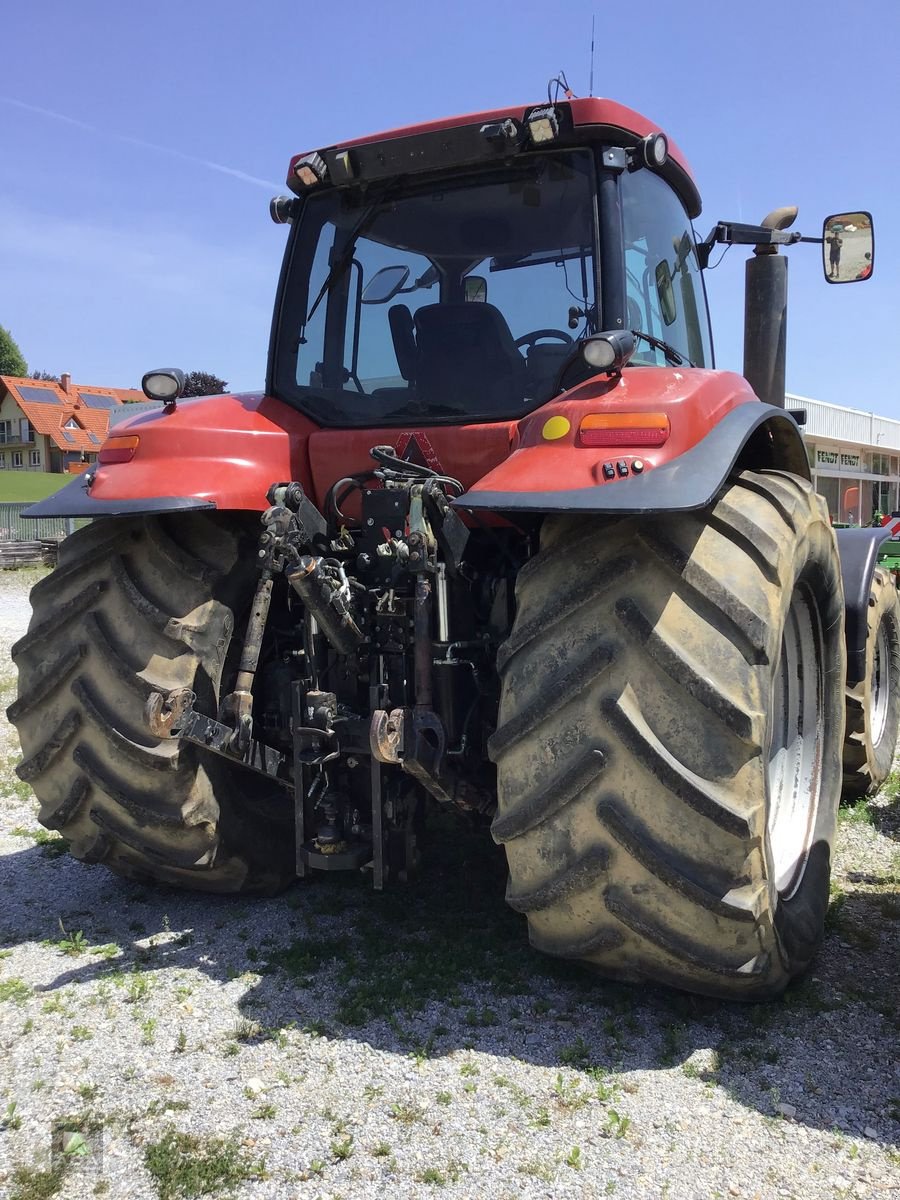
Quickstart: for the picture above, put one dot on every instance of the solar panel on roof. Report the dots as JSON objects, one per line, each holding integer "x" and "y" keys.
{"x": 102, "y": 400}
{"x": 39, "y": 395}
{"x": 94, "y": 438}
{"x": 68, "y": 436}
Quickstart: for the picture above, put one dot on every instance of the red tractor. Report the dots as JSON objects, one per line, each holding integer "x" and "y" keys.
{"x": 495, "y": 539}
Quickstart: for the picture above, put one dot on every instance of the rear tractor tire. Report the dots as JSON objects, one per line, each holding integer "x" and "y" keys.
{"x": 135, "y": 606}
{"x": 669, "y": 739}
{"x": 873, "y": 705}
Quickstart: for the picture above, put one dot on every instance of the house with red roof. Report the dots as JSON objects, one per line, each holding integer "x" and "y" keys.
{"x": 56, "y": 427}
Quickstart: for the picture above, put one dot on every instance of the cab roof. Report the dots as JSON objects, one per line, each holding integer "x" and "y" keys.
{"x": 593, "y": 118}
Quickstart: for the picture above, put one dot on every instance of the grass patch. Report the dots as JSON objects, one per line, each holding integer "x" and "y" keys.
{"x": 184, "y": 1165}
{"x": 426, "y": 941}
{"x": 28, "y": 1183}
{"x": 858, "y": 812}
{"x": 51, "y": 844}
{"x": 18, "y": 487}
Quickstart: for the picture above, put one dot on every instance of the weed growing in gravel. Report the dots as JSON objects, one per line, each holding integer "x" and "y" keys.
{"x": 406, "y": 1112}
{"x": 29, "y": 1183}
{"x": 14, "y": 989}
{"x": 73, "y": 943}
{"x": 569, "y": 1094}
{"x": 246, "y": 1031}
{"x": 537, "y": 1168}
{"x": 185, "y": 1165}
{"x": 573, "y": 1159}
{"x": 617, "y": 1126}
{"x": 578, "y": 1054}
{"x": 382, "y": 1150}
{"x": 138, "y": 987}
{"x": 81, "y": 1033}
{"x": 433, "y": 1176}
{"x": 344, "y": 1149}
{"x": 444, "y": 1098}
{"x": 11, "y": 1119}
{"x": 265, "y": 1112}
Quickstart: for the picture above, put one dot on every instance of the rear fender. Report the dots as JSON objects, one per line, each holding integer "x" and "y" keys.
{"x": 211, "y": 452}
{"x": 859, "y": 555}
{"x": 717, "y": 425}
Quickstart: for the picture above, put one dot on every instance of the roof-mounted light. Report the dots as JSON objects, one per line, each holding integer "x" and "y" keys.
{"x": 608, "y": 351}
{"x": 656, "y": 150}
{"x": 543, "y": 125}
{"x": 310, "y": 170}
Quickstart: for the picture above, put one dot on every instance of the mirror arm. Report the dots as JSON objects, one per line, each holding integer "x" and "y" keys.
{"x": 733, "y": 233}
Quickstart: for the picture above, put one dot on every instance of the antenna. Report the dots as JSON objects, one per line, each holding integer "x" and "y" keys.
{"x": 593, "y": 21}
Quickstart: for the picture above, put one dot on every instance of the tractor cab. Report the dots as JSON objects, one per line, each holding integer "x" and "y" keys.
{"x": 447, "y": 276}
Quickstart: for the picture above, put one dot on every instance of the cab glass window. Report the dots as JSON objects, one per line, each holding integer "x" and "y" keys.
{"x": 663, "y": 281}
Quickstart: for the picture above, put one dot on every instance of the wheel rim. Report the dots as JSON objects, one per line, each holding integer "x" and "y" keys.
{"x": 881, "y": 684}
{"x": 797, "y": 738}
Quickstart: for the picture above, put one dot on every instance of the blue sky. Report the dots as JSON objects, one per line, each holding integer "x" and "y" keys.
{"x": 139, "y": 146}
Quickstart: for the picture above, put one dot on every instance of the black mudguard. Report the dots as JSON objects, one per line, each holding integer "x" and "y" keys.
{"x": 859, "y": 554}
{"x": 74, "y": 500}
{"x": 758, "y": 434}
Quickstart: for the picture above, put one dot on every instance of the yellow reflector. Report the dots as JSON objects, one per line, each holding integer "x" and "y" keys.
{"x": 556, "y": 427}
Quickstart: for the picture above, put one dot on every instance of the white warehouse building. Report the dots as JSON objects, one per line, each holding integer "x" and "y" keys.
{"x": 854, "y": 457}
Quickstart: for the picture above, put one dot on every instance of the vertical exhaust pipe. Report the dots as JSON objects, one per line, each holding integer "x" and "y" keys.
{"x": 765, "y": 314}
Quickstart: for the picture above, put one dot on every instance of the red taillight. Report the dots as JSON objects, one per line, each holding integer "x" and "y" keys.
{"x": 119, "y": 449}
{"x": 624, "y": 429}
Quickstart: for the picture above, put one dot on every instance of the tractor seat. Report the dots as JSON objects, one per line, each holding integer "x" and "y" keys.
{"x": 465, "y": 354}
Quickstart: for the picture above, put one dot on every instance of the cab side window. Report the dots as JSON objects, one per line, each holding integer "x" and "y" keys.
{"x": 664, "y": 286}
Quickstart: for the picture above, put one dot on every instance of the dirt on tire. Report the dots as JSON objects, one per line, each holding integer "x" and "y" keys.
{"x": 135, "y": 606}
{"x": 633, "y": 743}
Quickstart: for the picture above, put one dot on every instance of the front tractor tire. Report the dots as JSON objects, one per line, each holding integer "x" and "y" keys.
{"x": 669, "y": 739}
{"x": 873, "y": 705}
{"x": 136, "y": 606}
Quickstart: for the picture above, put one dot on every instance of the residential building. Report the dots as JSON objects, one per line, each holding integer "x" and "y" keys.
{"x": 56, "y": 427}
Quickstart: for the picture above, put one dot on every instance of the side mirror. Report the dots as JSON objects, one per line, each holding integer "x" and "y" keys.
{"x": 848, "y": 247}
{"x": 385, "y": 284}
{"x": 476, "y": 289}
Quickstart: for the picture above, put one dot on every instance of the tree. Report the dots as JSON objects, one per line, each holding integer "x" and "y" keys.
{"x": 12, "y": 361}
{"x": 202, "y": 383}
{"x": 46, "y": 376}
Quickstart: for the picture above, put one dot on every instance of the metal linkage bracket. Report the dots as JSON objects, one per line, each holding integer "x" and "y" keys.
{"x": 173, "y": 716}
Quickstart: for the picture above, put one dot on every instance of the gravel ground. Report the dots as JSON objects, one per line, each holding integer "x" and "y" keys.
{"x": 334, "y": 1042}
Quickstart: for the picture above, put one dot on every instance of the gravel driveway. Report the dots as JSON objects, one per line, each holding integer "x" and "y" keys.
{"x": 335, "y": 1042}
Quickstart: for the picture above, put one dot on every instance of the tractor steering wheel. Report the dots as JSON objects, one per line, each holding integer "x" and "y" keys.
{"x": 529, "y": 339}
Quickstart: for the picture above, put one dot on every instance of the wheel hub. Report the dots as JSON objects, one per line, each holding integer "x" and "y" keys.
{"x": 797, "y": 738}
{"x": 881, "y": 684}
